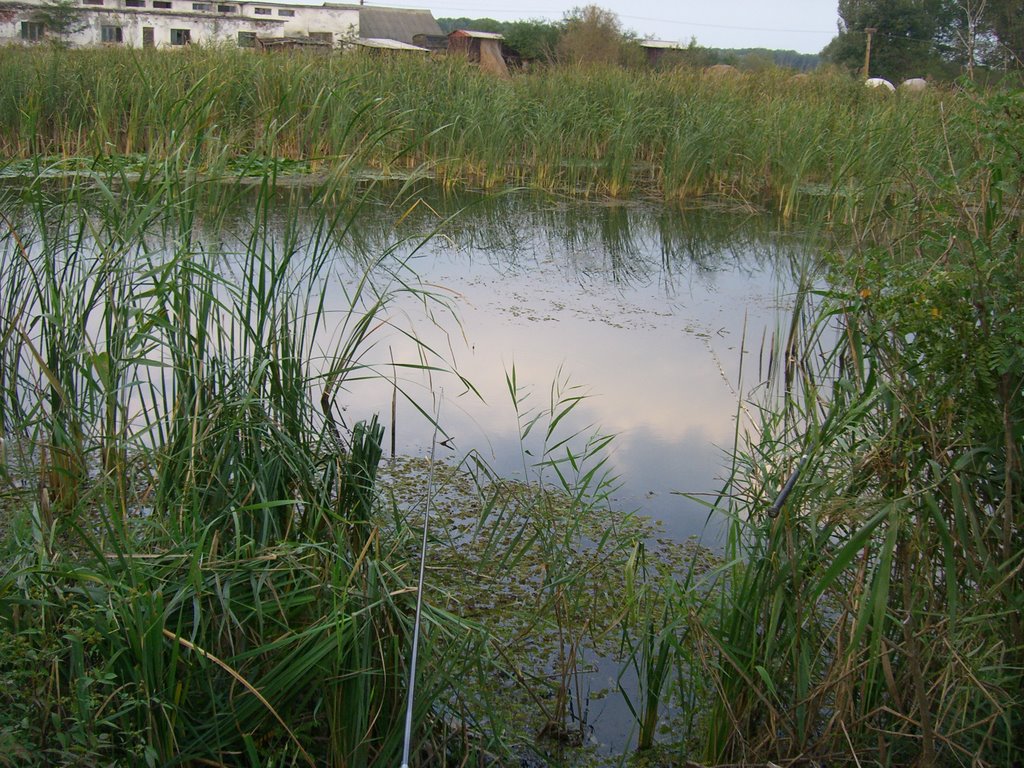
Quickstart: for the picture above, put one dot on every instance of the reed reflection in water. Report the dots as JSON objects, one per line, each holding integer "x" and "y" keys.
{"x": 643, "y": 308}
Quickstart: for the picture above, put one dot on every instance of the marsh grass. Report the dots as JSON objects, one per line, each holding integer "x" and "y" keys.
{"x": 198, "y": 567}
{"x": 876, "y": 617}
{"x": 196, "y": 571}
{"x": 677, "y": 135}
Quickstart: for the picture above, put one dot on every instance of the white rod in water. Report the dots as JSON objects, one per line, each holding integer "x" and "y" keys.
{"x": 419, "y": 592}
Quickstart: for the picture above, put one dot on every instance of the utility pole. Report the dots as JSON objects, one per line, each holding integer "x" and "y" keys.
{"x": 869, "y": 31}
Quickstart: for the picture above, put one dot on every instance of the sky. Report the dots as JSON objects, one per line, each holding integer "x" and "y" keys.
{"x": 801, "y": 25}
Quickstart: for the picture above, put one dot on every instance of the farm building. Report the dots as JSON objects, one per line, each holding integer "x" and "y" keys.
{"x": 167, "y": 23}
{"x": 386, "y": 44}
{"x": 403, "y": 25}
{"x": 483, "y": 48}
{"x": 655, "y": 50}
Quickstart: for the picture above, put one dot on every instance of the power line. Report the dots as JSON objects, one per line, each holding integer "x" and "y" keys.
{"x": 683, "y": 22}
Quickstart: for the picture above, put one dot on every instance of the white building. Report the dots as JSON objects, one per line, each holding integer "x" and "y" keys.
{"x": 160, "y": 23}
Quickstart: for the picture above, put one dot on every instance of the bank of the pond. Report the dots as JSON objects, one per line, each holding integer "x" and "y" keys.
{"x": 261, "y": 610}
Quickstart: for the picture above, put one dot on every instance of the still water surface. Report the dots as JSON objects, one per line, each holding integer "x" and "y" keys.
{"x": 650, "y": 313}
{"x": 647, "y": 311}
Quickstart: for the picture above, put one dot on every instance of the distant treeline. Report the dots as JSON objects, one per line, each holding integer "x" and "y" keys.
{"x": 938, "y": 39}
{"x": 591, "y": 34}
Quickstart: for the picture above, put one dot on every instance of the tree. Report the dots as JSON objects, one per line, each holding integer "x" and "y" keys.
{"x": 1006, "y": 18}
{"x": 590, "y": 35}
{"x": 61, "y": 17}
{"x": 536, "y": 40}
{"x": 903, "y": 44}
{"x": 478, "y": 25}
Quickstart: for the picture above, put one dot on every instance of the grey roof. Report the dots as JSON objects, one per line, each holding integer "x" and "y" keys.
{"x": 396, "y": 23}
{"x": 478, "y": 35}
{"x": 391, "y": 45}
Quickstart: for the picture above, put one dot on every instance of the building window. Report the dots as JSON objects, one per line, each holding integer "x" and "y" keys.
{"x": 246, "y": 39}
{"x": 165, "y": 4}
{"x": 147, "y": 37}
{"x": 285, "y": 12}
{"x": 323, "y": 37}
{"x": 92, "y": 2}
{"x": 134, "y": 3}
{"x": 181, "y": 36}
{"x": 262, "y": 11}
{"x": 32, "y": 30}
{"x": 201, "y": 7}
{"x": 111, "y": 34}
{"x": 226, "y": 9}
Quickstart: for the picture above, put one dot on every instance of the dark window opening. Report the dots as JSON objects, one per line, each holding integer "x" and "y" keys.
{"x": 111, "y": 34}
{"x": 181, "y": 36}
{"x": 32, "y": 30}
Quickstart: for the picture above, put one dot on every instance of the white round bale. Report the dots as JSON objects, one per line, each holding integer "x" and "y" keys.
{"x": 880, "y": 82}
{"x": 914, "y": 85}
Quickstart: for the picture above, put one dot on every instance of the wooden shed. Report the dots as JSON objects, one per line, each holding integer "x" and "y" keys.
{"x": 483, "y": 48}
{"x": 655, "y": 50}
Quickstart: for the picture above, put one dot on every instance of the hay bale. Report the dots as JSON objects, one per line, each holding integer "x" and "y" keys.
{"x": 880, "y": 82}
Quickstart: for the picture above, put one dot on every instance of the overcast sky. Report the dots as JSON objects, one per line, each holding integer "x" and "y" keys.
{"x": 800, "y": 25}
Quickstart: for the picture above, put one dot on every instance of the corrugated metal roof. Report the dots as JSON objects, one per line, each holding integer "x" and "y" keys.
{"x": 478, "y": 35}
{"x": 391, "y": 45}
{"x": 661, "y": 44}
{"x": 396, "y": 23}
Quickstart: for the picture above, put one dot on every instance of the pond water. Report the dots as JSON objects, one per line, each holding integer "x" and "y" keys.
{"x": 648, "y": 312}
{"x": 658, "y": 320}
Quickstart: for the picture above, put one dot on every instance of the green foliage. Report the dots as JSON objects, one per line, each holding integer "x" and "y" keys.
{"x": 533, "y": 40}
{"x": 672, "y": 134}
{"x": 1006, "y": 18}
{"x": 61, "y": 17}
{"x": 902, "y": 46}
{"x": 201, "y": 575}
{"x": 886, "y": 595}
{"x": 590, "y": 36}
{"x": 479, "y": 25}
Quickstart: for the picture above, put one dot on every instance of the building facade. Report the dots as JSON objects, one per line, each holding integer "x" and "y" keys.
{"x": 171, "y": 23}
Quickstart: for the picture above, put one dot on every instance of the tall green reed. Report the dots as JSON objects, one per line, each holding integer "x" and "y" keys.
{"x": 678, "y": 135}
{"x": 876, "y": 617}
{"x": 199, "y": 566}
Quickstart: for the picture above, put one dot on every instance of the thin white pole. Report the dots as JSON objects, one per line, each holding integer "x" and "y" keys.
{"x": 419, "y": 590}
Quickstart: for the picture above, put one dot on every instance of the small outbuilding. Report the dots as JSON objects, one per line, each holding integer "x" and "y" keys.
{"x": 386, "y": 44}
{"x": 483, "y": 48}
{"x": 655, "y": 50}
{"x": 433, "y": 43}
